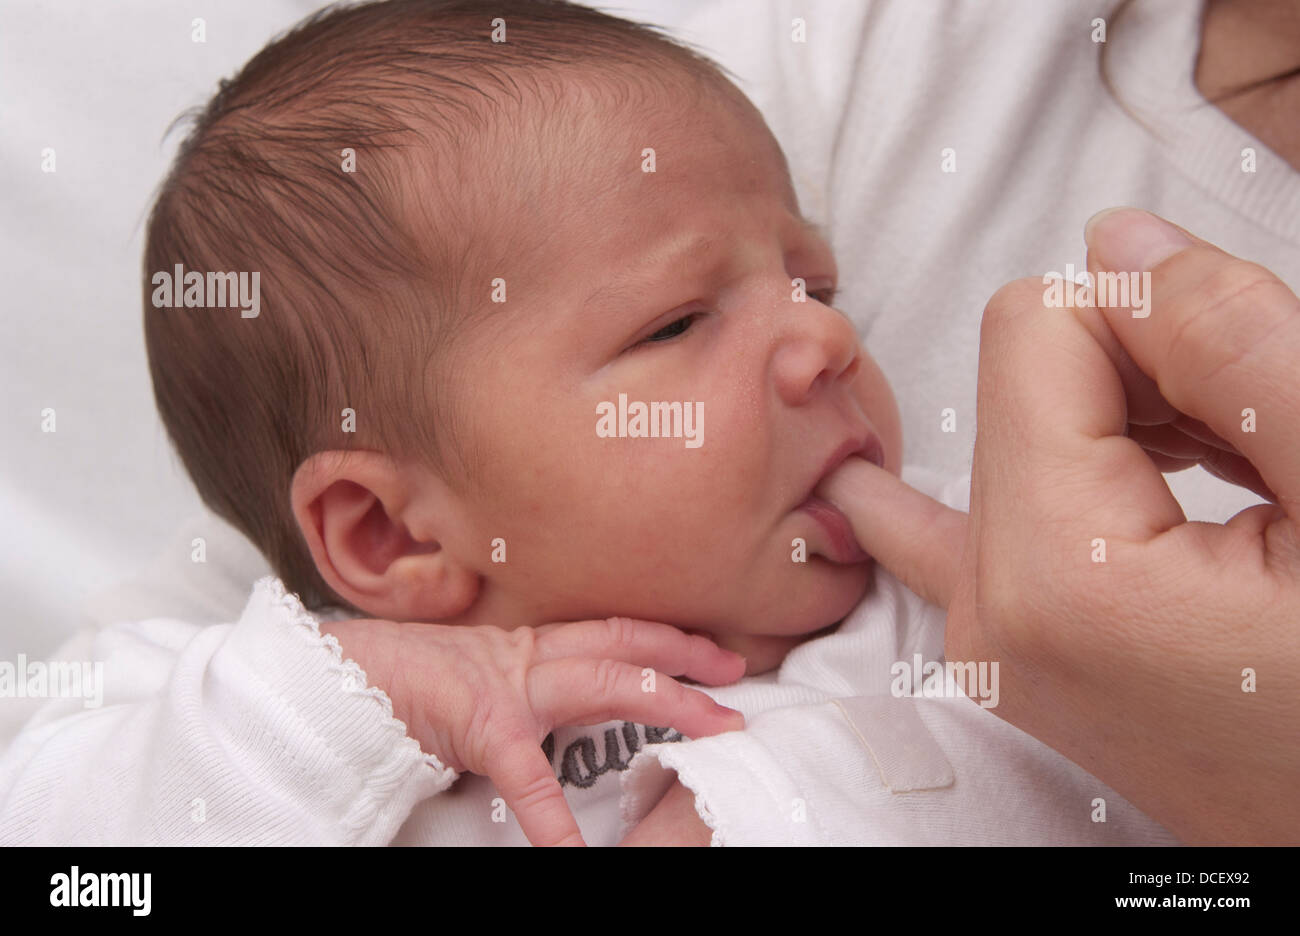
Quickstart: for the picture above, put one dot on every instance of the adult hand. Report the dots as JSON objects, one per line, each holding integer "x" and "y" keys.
{"x": 1162, "y": 655}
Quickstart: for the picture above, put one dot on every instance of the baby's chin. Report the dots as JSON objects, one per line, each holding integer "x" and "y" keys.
{"x": 762, "y": 652}
{"x": 765, "y": 651}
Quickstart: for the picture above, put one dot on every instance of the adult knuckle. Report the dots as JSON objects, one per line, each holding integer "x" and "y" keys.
{"x": 1214, "y": 331}
{"x": 1237, "y": 285}
{"x": 1010, "y": 302}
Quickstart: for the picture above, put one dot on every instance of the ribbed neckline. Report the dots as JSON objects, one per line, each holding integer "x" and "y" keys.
{"x": 1152, "y": 63}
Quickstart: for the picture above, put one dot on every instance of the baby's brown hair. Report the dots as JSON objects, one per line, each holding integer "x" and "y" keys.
{"x": 365, "y": 275}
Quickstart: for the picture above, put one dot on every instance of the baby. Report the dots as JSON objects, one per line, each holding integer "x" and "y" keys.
{"x": 477, "y": 224}
{"x": 540, "y": 373}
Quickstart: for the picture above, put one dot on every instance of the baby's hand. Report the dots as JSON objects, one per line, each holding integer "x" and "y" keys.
{"x": 482, "y": 699}
{"x": 673, "y": 822}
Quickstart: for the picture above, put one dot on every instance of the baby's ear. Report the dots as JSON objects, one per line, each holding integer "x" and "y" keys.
{"x": 353, "y": 509}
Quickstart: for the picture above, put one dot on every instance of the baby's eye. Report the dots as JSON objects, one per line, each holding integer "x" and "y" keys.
{"x": 674, "y": 329}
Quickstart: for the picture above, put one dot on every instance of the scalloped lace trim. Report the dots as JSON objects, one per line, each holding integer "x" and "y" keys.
{"x": 684, "y": 776}
{"x": 706, "y": 816}
{"x": 353, "y": 681}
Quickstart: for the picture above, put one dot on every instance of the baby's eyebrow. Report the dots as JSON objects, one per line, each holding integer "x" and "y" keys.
{"x": 666, "y": 257}
{"x": 686, "y": 254}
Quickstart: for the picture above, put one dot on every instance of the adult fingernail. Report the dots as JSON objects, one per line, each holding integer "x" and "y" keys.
{"x": 1132, "y": 240}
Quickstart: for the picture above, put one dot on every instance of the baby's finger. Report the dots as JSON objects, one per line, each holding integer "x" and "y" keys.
{"x": 647, "y": 643}
{"x": 522, "y": 774}
{"x": 575, "y": 691}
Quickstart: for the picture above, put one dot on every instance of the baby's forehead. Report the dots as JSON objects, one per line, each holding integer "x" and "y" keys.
{"x": 551, "y": 156}
{"x": 572, "y": 182}
{"x": 589, "y": 118}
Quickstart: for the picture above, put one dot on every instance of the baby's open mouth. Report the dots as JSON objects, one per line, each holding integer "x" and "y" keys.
{"x": 841, "y": 545}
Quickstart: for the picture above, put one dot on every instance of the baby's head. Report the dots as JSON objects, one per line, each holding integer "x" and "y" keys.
{"x": 474, "y": 258}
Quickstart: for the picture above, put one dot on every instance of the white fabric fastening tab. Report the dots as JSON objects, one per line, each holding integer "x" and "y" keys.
{"x": 904, "y": 751}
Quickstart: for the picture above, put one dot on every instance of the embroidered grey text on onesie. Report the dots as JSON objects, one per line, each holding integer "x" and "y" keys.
{"x": 578, "y": 765}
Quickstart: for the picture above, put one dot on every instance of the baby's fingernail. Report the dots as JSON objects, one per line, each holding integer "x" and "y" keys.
{"x": 1132, "y": 240}
{"x": 739, "y": 716}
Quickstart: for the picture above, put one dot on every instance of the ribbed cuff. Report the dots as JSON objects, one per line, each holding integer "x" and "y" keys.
{"x": 325, "y": 731}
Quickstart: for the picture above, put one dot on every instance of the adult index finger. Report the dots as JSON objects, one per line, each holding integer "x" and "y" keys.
{"x": 911, "y": 534}
{"x": 1219, "y": 335}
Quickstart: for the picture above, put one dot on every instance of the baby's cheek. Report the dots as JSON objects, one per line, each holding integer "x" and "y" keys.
{"x": 876, "y": 398}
